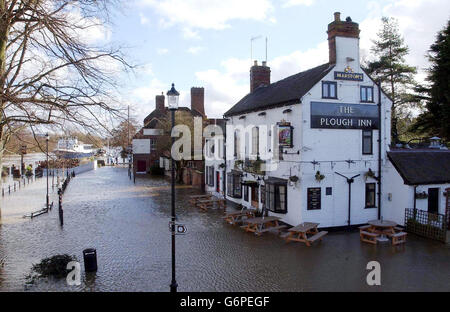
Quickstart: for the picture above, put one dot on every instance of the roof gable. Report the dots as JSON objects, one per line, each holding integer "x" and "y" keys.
{"x": 284, "y": 92}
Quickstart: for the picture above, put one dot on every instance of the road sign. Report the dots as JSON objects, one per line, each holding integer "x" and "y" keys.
{"x": 180, "y": 229}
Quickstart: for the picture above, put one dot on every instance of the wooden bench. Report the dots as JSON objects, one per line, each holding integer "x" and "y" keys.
{"x": 273, "y": 228}
{"x": 318, "y": 236}
{"x": 364, "y": 228}
{"x": 368, "y": 237}
{"x": 399, "y": 238}
{"x": 399, "y": 229}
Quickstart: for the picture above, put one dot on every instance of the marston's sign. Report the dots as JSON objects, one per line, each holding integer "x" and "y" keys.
{"x": 344, "y": 116}
{"x": 348, "y": 76}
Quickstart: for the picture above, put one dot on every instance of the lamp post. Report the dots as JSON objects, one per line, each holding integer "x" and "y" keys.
{"x": 173, "y": 97}
{"x": 48, "y": 166}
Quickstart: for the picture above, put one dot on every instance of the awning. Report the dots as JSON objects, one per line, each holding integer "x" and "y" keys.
{"x": 250, "y": 183}
{"x": 273, "y": 180}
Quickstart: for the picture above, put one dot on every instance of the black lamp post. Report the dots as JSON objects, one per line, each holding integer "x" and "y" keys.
{"x": 48, "y": 165}
{"x": 173, "y": 97}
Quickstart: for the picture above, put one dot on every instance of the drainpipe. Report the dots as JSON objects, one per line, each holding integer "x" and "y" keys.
{"x": 225, "y": 160}
{"x": 415, "y": 201}
{"x": 379, "y": 150}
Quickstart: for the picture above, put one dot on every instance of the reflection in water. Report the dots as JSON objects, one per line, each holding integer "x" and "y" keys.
{"x": 128, "y": 225}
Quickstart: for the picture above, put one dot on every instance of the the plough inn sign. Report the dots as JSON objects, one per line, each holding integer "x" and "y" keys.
{"x": 343, "y": 116}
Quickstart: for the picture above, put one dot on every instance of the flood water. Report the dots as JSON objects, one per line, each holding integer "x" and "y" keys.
{"x": 128, "y": 225}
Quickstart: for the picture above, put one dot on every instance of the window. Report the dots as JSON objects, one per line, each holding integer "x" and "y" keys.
{"x": 255, "y": 141}
{"x": 246, "y": 193}
{"x": 211, "y": 176}
{"x": 329, "y": 191}
{"x": 329, "y": 90}
{"x": 234, "y": 187}
{"x": 152, "y": 144}
{"x": 236, "y": 144}
{"x": 367, "y": 142}
{"x": 370, "y": 195}
{"x": 314, "y": 198}
{"x": 367, "y": 94}
{"x": 276, "y": 197}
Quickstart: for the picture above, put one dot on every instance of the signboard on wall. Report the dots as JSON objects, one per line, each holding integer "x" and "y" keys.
{"x": 344, "y": 116}
{"x": 153, "y": 132}
{"x": 141, "y": 146}
{"x": 348, "y": 76}
{"x": 314, "y": 198}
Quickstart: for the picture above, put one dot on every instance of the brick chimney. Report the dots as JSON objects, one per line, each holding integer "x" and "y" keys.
{"x": 259, "y": 76}
{"x": 198, "y": 100}
{"x": 160, "y": 102}
{"x": 345, "y": 29}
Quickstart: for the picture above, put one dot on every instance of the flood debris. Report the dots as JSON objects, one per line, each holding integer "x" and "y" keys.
{"x": 53, "y": 267}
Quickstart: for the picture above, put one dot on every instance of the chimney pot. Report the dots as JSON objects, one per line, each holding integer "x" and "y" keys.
{"x": 337, "y": 16}
{"x": 256, "y": 63}
{"x": 198, "y": 100}
{"x": 264, "y": 63}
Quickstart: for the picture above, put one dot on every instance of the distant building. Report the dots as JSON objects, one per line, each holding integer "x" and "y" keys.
{"x": 148, "y": 154}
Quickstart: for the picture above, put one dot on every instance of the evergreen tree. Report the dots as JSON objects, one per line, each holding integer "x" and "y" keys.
{"x": 396, "y": 77}
{"x": 435, "y": 121}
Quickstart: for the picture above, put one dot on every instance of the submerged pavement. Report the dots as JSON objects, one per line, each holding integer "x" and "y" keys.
{"x": 128, "y": 225}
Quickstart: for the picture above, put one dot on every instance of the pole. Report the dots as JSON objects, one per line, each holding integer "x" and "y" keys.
{"x": 47, "y": 172}
{"x": 173, "y": 285}
{"x": 379, "y": 150}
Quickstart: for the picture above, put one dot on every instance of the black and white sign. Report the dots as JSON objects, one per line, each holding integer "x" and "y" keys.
{"x": 344, "y": 116}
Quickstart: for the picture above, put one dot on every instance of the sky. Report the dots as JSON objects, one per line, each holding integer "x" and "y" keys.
{"x": 206, "y": 43}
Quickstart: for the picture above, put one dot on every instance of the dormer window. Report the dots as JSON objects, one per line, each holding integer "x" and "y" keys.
{"x": 329, "y": 90}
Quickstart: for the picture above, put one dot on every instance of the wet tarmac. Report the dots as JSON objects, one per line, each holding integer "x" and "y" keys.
{"x": 128, "y": 225}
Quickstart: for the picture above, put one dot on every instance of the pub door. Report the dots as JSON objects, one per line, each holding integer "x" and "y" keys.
{"x": 217, "y": 181}
{"x": 141, "y": 166}
{"x": 255, "y": 196}
{"x": 433, "y": 200}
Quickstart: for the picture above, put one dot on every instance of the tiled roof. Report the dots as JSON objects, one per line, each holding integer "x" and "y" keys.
{"x": 284, "y": 92}
{"x": 422, "y": 167}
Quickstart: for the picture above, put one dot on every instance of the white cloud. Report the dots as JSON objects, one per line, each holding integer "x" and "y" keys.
{"x": 143, "y": 19}
{"x": 291, "y": 3}
{"x": 190, "y": 34}
{"x": 195, "y": 50}
{"x": 162, "y": 51}
{"x": 226, "y": 87}
{"x": 211, "y": 14}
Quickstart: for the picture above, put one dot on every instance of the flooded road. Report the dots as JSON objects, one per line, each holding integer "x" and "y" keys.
{"x": 128, "y": 225}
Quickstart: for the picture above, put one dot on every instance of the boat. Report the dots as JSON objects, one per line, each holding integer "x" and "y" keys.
{"x": 69, "y": 148}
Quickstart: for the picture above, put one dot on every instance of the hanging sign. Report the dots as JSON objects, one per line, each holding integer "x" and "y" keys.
{"x": 344, "y": 116}
{"x": 285, "y": 135}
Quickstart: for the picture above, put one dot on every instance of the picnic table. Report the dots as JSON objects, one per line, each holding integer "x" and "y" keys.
{"x": 377, "y": 230}
{"x": 300, "y": 233}
{"x": 205, "y": 203}
{"x": 194, "y": 198}
{"x": 238, "y": 216}
{"x": 382, "y": 228}
{"x": 261, "y": 225}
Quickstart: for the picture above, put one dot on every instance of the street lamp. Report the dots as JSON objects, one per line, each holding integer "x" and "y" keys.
{"x": 48, "y": 166}
{"x": 173, "y": 97}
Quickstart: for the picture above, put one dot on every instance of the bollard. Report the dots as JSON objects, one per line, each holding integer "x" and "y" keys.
{"x": 9, "y": 189}
{"x": 61, "y": 212}
{"x": 3, "y": 192}
{"x": 90, "y": 260}
{"x": 14, "y": 186}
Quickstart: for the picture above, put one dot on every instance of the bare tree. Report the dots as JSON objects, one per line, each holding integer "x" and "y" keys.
{"x": 51, "y": 74}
